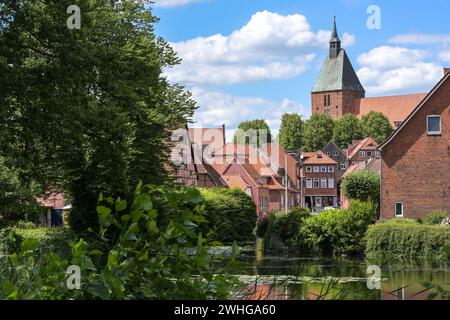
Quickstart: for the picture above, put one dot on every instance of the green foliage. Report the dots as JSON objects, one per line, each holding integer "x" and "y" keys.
{"x": 362, "y": 185}
{"x": 338, "y": 231}
{"x": 284, "y": 227}
{"x": 87, "y": 110}
{"x": 347, "y": 129}
{"x": 394, "y": 240}
{"x": 331, "y": 231}
{"x": 254, "y": 132}
{"x": 377, "y": 126}
{"x": 231, "y": 215}
{"x": 318, "y": 132}
{"x": 146, "y": 260}
{"x": 16, "y": 199}
{"x": 435, "y": 218}
{"x": 290, "y": 136}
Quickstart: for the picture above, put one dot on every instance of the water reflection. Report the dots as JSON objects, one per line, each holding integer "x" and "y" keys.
{"x": 300, "y": 278}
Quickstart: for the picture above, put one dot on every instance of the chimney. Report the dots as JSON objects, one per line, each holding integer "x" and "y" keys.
{"x": 224, "y": 138}
{"x": 446, "y": 71}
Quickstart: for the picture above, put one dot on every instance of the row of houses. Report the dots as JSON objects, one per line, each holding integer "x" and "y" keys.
{"x": 413, "y": 163}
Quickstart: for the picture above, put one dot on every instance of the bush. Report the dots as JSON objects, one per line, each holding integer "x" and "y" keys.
{"x": 147, "y": 260}
{"x": 393, "y": 240}
{"x": 338, "y": 231}
{"x": 231, "y": 215}
{"x": 435, "y": 218}
{"x": 362, "y": 185}
{"x": 10, "y": 241}
{"x": 283, "y": 229}
{"x": 331, "y": 231}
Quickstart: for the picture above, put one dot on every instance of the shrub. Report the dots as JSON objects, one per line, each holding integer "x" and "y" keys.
{"x": 231, "y": 215}
{"x": 338, "y": 231}
{"x": 393, "y": 240}
{"x": 435, "y": 218}
{"x": 147, "y": 261}
{"x": 283, "y": 229}
{"x": 10, "y": 241}
{"x": 362, "y": 185}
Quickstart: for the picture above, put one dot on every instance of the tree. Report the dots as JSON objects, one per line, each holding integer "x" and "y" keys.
{"x": 87, "y": 110}
{"x": 347, "y": 129}
{"x": 362, "y": 185}
{"x": 254, "y": 132}
{"x": 377, "y": 126}
{"x": 318, "y": 132}
{"x": 290, "y": 136}
{"x": 16, "y": 200}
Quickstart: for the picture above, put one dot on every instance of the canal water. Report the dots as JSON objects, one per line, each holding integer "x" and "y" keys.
{"x": 311, "y": 278}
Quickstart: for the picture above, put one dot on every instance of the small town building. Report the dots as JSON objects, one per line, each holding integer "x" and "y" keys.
{"x": 362, "y": 151}
{"x": 320, "y": 174}
{"x": 415, "y": 159}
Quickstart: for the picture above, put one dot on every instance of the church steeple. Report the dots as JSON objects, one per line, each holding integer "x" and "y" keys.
{"x": 335, "y": 42}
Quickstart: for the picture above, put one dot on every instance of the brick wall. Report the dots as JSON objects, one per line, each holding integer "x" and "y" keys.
{"x": 415, "y": 167}
{"x": 341, "y": 102}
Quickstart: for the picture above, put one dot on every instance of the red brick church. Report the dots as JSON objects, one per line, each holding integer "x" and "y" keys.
{"x": 338, "y": 91}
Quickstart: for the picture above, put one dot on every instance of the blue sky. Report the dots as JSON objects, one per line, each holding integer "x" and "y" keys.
{"x": 246, "y": 59}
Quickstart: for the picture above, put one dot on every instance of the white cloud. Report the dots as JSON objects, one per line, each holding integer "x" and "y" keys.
{"x": 392, "y": 70}
{"x": 174, "y": 3}
{"x": 217, "y": 108}
{"x": 269, "y": 46}
{"x": 445, "y": 56}
{"x": 420, "y": 38}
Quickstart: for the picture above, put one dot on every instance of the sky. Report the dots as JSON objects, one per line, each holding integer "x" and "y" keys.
{"x": 259, "y": 59}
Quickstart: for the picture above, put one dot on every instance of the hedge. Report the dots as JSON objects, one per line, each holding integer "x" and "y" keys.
{"x": 50, "y": 240}
{"x": 396, "y": 239}
{"x": 331, "y": 231}
{"x": 231, "y": 214}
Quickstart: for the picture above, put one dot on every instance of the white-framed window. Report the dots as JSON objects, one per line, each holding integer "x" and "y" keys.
{"x": 316, "y": 169}
{"x": 328, "y": 153}
{"x": 323, "y": 183}
{"x": 369, "y": 153}
{"x": 249, "y": 192}
{"x": 309, "y": 183}
{"x": 308, "y": 169}
{"x": 319, "y": 202}
{"x": 343, "y": 166}
{"x": 335, "y": 154}
{"x": 331, "y": 169}
{"x": 331, "y": 183}
{"x": 399, "y": 209}
{"x": 378, "y": 154}
{"x": 362, "y": 154}
{"x": 434, "y": 125}
{"x": 316, "y": 183}
{"x": 323, "y": 169}
{"x": 354, "y": 162}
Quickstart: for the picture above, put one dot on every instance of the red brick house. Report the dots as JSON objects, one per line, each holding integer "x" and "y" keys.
{"x": 257, "y": 174}
{"x": 362, "y": 151}
{"x": 320, "y": 174}
{"x": 415, "y": 166}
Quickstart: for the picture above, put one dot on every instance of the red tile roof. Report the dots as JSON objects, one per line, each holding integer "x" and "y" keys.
{"x": 366, "y": 144}
{"x": 319, "y": 157}
{"x": 53, "y": 200}
{"x": 395, "y": 108}
{"x": 213, "y": 137}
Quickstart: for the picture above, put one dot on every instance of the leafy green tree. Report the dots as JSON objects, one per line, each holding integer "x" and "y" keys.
{"x": 377, "y": 126}
{"x": 318, "y": 132}
{"x": 290, "y": 136}
{"x": 347, "y": 129}
{"x": 16, "y": 200}
{"x": 87, "y": 109}
{"x": 362, "y": 185}
{"x": 254, "y": 132}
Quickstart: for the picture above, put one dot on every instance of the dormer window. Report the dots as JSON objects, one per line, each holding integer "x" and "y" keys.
{"x": 434, "y": 125}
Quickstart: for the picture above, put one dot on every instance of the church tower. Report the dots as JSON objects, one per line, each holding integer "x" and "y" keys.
{"x": 337, "y": 90}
